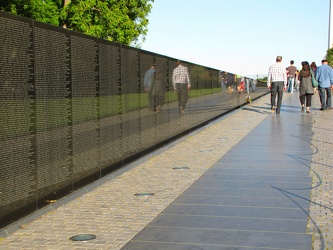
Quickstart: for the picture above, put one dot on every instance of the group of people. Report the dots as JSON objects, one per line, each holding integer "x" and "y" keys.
{"x": 154, "y": 88}
{"x": 279, "y": 77}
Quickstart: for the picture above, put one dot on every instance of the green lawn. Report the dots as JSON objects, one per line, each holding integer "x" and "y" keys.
{"x": 17, "y": 118}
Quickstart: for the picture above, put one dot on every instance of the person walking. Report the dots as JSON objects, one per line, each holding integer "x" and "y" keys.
{"x": 247, "y": 84}
{"x": 277, "y": 82}
{"x": 181, "y": 84}
{"x": 291, "y": 76}
{"x": 150, "y": 87}
{"x": 296, "y": 80}
{"x": 313, "y": 66}
{"x": 222, "y": 81}
{"x": 306, "y": 89}
{"x": 254, "y": 84}
{"x": 160, "y": 83}
{"x": 324, "y": 76}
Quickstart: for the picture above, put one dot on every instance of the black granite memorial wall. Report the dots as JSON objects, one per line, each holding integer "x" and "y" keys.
{"x": 74, "y": 107}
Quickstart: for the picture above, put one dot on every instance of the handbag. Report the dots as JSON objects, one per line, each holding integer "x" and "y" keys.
{"x": 313, "y": 80}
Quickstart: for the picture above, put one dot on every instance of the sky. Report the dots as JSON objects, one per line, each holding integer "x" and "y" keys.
{"x": 239, "y": 36}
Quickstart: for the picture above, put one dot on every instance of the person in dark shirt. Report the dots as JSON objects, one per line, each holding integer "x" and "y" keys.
{"x": 306, "y": 89}
{"x": 291, "y": 76}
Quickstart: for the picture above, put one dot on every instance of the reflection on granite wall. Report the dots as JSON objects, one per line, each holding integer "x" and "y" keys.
{"x": 73, "y": 106}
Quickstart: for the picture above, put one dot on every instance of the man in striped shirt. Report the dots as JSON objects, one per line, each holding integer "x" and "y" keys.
{"x": 277, "y": 82}
{"x": 181, "y": 84}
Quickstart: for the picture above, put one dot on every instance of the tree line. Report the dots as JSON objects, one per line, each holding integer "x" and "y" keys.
{"x": 123, "y": 21}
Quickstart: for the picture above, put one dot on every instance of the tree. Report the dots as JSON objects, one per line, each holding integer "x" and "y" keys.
{"x": 123, "y": 21}
{"x": 329, "y": 56}
{"x": 46, "y": 11}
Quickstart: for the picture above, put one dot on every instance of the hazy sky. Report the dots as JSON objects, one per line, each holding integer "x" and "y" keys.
{"x": 239, "y": 36}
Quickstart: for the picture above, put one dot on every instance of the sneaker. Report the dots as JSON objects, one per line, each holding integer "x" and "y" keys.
{"x": 329, "y": 108}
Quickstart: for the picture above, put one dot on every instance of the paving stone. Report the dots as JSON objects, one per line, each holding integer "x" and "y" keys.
{"x": 115, "y": 215}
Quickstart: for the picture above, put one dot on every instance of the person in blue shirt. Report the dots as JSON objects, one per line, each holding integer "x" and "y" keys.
{"x": 324, "y": 76}
{"x": 149, "y": 84}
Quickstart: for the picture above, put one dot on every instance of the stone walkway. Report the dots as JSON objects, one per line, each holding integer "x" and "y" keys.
{"x": 321, "y": 208}
{"x": 110, "y": 209}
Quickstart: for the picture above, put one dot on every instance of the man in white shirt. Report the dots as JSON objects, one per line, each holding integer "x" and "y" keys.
{"x": 277, "y": 82}
{"x": 181, "y": 84}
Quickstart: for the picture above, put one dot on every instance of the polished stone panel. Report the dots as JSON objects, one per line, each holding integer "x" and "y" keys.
{"x": 246, "y": 201}
{"x": 224, "y": 238}
{"x": 255, "y": 197}
{"x": 274, "y": 192}
{"x": 231, "y": 223}
{"x": 234, "y": 211}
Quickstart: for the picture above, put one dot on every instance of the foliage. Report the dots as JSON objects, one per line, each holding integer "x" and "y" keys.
{"x": 129, "y": 103}
{"x": 329, "y": 56}
{"x": 264, "y": 79}
{"x": 46, "y": 11}
{"x": 123, "y": 21}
